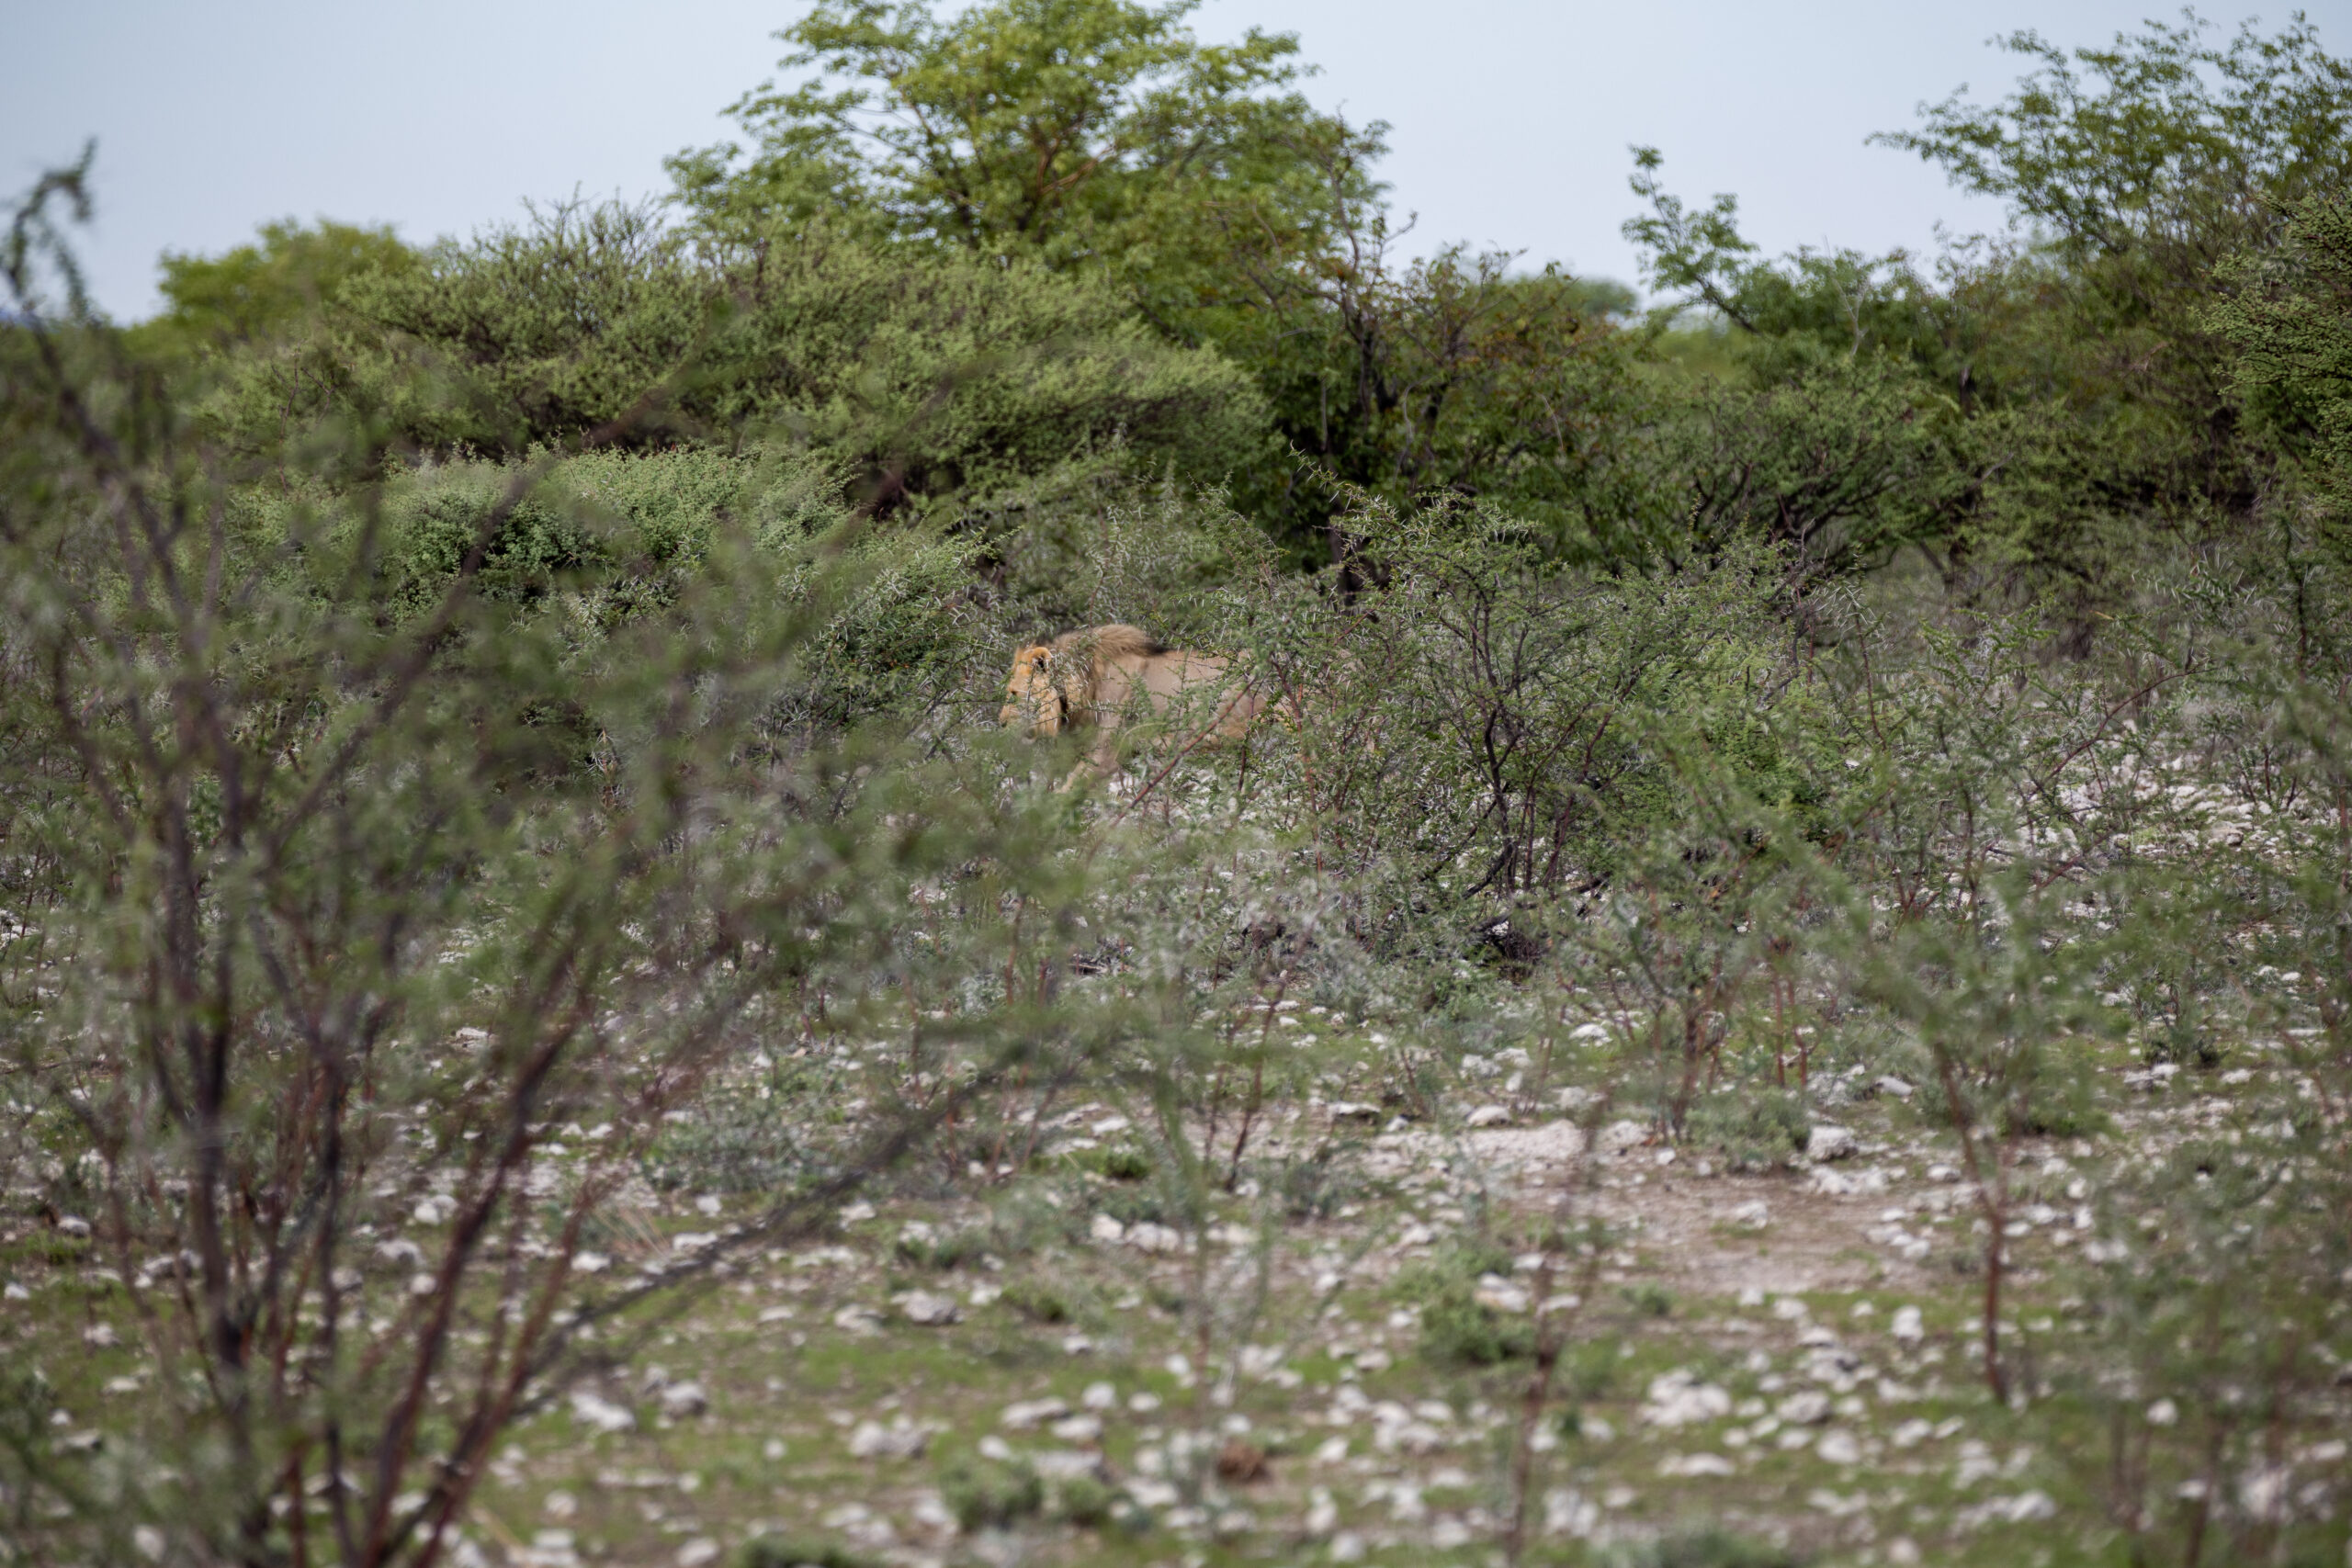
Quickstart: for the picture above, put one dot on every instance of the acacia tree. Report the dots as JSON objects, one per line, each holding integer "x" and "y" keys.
{"x": 2147, "y": 163}
{"x": 1083, "y": 133}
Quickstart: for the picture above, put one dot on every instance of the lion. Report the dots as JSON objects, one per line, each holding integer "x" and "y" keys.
{"x": 1099, "y": 677}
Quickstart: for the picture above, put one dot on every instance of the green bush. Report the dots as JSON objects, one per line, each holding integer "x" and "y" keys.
{"x": 1754, "y": 1127}
{"x": 987, "y": 1495}
{"x": 799, "y": 1551}
{"x": 1084, "y": 1501}
{"x": 1708, "y": 1548}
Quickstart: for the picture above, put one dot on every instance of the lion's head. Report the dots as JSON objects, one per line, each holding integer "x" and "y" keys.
{"x": 1030, "y": 697}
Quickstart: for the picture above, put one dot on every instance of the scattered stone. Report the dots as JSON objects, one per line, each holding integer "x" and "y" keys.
{"x": 1498, "y": 1294}
{"x": 602, "y": 1413}
{"x": 1838, "y": 1447}
{"x": 1696, "y": 1464}
{"x": 1826, "y": 1142}
{"x": 683, "y": 1399}
{"x": 1908, "y": 1327}
{"x": 1569, "y": 1513}
{"x": 1065, "y": 1465}
{"x": 1619, "y": 1137}
{"x": 1106, "y": 1229}
{"x": 859, "y": 1320}
{"x": 1679, "y": 1399}
{"x": 1028, "y": 1412}
{"x": 1146, "y": 1236}
{"x": 1079, "y": 1428}
{"x": 1489, "y": 1116}
{"x": 1809, "y": 1408}
{"x": 1896, "y": 1087}
{"x": 901, "y": 1439}
{"x": 926, "y": 1310}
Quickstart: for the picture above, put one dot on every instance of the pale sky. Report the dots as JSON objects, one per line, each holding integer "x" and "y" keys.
{"x": 1511, "y": 117}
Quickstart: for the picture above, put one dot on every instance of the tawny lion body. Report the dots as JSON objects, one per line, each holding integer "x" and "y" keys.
{"x": 1101, "y": 677}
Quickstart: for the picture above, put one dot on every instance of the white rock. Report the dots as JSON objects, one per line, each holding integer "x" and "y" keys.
{"x": 1894, "y": 1087}
{"x": 1619, "y": 1137}
{"x": 858, "y": 1320}
{"x": 1839, "y": 1448}
{"x": 1679, "y": 1399}
{"x": 1347, "y": 1547}
{"x": 602, "y": 1413}
{"x": 1077, "y": 1429}
{"x": 1826, "y": 1142}
{"x": 1104, "y": 1228}
{"x": 901, "y": 1440}
{"x": 1024, "y": 1414}
{"x": 1489, "y": 1116}
{"x": 1569, "y": 1513}
{"x": 1695, "y": 1464}
{"x": 1100, "y": 1396}
{"x": 926, "y": 1310}
{"x": 1500, "y": 1294}
{"x": 1809, "y": 1408}
{"x": 1146, "y": 1236}
{"x": 1908, "y": 1328}
{"x": 685, "y": 1399}
{"x": 697, "y": 1551}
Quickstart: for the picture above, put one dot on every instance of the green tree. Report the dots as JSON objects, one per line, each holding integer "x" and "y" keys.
{"x": 2145, "y": 165}
{"x": 2291, "y": 320}
{"x": 1077, "y": 131}
{"x": 928, "y": 377}
{"x": 267, "y": 289}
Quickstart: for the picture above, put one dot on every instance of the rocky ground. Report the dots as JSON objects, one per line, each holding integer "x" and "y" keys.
{"x": 1053, "y": 1376}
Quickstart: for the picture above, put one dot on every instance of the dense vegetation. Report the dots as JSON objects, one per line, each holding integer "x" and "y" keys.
{"x": 496, "y": 743}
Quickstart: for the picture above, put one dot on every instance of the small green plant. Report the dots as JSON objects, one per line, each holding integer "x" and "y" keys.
{"x": 1589, "y": 1370}
{"x": 1758, "y": 1128}
{"x": 1704, "y": 1549}
{"x": 1084, "y": 1501}
{"x": 1126, "y": 1164}
{"x": 1456, "y": 1328}
{"x": 1649, "y": 1300}
{"x": 799, "y": 1551}
{"x": 951, "y": 1249}
{"x": 1036, "y": 1301}
{"x": 989, "y": 1495}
